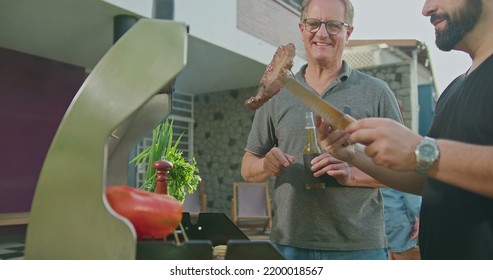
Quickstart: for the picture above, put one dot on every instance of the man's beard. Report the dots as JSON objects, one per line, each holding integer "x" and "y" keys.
{"x": 458, "y": 25}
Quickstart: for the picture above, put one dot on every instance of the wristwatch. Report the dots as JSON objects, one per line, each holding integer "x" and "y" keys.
{"x": 427, "y": 153}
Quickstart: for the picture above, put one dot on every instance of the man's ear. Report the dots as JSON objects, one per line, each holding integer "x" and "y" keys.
{"x": 301, "y": 27}
{"x": 349, "y": 31}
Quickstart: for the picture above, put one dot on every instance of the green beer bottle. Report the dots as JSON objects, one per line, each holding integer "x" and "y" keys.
{"x": 310, "y": 151}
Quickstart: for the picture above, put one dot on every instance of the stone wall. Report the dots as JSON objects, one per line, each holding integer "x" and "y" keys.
{"x": 398, "y": 77}
{"x": 222, "y": 125}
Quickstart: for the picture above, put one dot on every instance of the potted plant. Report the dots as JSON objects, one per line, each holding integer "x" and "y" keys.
{"x": 183, "y": 176}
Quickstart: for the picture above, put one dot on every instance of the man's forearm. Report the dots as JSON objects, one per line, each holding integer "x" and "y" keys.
{"x": 409, "y": 182}
{"x": 465, "y": 165}
{"x": 252, "y": 169}
{"x": 361, "y": 179}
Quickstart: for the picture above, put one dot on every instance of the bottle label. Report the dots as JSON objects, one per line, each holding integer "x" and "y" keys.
{"x": 312, "y": 182}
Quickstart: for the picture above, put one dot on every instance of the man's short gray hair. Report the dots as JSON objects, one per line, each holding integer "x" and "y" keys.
{"x": 347, "y": 3}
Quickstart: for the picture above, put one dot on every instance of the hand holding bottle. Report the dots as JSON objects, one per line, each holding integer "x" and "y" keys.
{"x": 327, "y": 164}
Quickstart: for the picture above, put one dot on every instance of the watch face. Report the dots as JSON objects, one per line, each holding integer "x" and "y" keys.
{"x": 427, "y": 152}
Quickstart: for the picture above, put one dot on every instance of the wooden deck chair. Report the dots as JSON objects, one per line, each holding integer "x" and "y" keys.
{"x": 196, "y": 202}
{"x": 251, "y": 210}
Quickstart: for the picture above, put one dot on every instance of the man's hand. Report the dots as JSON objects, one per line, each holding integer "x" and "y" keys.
{"x": 334, "y": 142}
{"x": 276, "y": 160}
{"x": 388, "y": 142}
{"x": 415, "y": 231}
{"x": 327, "y": 164}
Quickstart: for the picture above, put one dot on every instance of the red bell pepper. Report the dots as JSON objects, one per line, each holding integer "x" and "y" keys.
{"x": 152, "y": 215}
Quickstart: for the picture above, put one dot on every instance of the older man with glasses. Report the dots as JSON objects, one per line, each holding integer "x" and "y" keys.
{"x": 338, "y": 221}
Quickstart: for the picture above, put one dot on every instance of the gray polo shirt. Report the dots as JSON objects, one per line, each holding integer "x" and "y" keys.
{"x": 338, "y": 217}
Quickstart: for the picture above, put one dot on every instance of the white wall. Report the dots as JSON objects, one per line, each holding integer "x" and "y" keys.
{"x": 141, "y": 7}
{"x": 215, "y": 22}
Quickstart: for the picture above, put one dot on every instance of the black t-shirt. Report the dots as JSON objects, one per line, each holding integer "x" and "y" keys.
{"x": 457, "y": 224}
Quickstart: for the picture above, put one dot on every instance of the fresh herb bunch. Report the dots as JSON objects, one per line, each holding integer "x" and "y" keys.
{"x": 182, "y": 177}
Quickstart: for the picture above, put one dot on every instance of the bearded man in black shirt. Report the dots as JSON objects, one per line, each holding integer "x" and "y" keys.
{"x": 452, "y": 167}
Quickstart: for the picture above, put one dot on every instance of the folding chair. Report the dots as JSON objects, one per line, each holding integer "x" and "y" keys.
{"x": 251, "y": 210}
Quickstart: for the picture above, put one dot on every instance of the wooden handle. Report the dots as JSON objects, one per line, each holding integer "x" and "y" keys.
{"x": 345, "y": 121}
{"x": 162, "y": 168}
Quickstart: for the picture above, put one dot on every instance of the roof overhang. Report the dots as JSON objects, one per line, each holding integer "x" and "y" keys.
{"x": 81, "y": 32}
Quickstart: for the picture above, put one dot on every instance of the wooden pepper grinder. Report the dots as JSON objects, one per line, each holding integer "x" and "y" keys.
{"x": 162, "y": 168}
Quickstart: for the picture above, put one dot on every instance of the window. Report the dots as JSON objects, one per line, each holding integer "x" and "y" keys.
{"x": 182, "y": 116}
{"x": 292, "y": 5}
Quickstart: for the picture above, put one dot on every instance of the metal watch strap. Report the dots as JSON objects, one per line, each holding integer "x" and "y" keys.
{"x": 422, "y": 165}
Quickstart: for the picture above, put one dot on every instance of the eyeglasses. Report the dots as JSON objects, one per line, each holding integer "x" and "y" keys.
{"x": 333, "y": 27}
